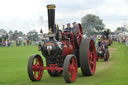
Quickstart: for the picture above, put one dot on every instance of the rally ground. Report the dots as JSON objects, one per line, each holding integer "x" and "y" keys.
{"x": 13, "y": 68}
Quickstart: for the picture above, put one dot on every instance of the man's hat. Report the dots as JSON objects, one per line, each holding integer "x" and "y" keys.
{"x": 68, "y": 23}
{"x": 74, "y": 23}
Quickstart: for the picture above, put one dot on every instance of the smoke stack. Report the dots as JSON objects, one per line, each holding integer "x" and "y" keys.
{"x": 51, "y": 18}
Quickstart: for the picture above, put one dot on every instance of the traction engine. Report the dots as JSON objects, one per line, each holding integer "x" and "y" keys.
{"x": 64, "y": 52}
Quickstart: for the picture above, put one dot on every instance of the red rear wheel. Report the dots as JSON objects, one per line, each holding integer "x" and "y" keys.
{"x": 70, "y": 68}
{"x": 34, "y": 65}
{"x": 92, "y": 56}
{"x": 87, "y": 57}
{"x": 78, "y": 33}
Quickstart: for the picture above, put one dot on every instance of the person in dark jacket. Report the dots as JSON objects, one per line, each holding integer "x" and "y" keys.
{"x": 102, "y": 44}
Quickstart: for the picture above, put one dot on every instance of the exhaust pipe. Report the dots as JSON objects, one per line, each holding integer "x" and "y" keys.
{"x": 51, "y": 18}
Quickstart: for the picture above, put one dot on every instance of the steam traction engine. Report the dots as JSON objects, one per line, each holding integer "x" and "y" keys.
{"x": 64, "y": 53}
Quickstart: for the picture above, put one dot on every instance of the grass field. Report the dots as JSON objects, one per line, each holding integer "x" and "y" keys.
{"x": 13, "y": 68}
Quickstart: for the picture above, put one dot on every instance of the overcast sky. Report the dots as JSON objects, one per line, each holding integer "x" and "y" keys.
{"x": 25, "y": 15}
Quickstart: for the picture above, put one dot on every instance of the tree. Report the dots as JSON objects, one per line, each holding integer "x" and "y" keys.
{"x": 121, "y": 29}
{"x": 92, "y": 23}
{"x": 20, "y": 34}
{"x": 107, "y": 32}
{"x": 3, "y": 34}
{"x": 10, "y": 32}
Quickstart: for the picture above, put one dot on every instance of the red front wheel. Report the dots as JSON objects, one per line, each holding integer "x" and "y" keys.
{"x": 70, "y": 68}
{"x": 34, "y": 64}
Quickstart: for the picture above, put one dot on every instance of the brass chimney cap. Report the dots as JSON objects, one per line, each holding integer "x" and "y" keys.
{"x": 51, "y": 6}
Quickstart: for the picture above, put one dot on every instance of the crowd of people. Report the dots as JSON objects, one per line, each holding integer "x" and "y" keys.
{"x": 69, "y": 28}
{"x": 23, "y": 42}
{"x": 6, "y": 43}
{"x": 11, "y": 43}
{"x": 120, "y": 39}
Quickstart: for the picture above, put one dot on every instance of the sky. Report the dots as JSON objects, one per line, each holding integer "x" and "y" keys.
{"x": 26, "y": 15}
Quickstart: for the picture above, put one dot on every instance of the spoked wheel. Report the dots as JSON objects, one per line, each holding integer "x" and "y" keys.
{"x": 78, "y": 32}
{"x": 87, "y": 57}
{"x": 70, "y": 68}
{"x": 34, "y": 64}
{"x": 54, "y": 73}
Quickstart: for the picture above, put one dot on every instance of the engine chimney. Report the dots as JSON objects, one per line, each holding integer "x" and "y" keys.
{"x": 51, "y": 18}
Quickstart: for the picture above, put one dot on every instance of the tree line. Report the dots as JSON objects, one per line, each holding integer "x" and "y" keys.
{"x": 92, "y": 24}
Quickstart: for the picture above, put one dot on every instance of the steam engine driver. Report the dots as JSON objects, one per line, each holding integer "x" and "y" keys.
{"x": 68, "y": 28}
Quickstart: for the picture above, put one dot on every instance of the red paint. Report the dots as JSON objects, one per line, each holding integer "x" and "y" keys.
{"x": 79, "y": 35}
{"x": 69, "y": 44}
{"x": 51, "y": 67}
{"x": 37, "y": 73}
{"x": 92, "y": 56}
{"x": 73, "y": 69}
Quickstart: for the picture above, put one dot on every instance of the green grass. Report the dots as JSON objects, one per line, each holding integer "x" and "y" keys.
{"x": 13, "y": 68}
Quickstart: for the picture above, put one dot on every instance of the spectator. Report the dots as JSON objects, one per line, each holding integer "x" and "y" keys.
{"x": 30, "y": 42}
{"x": 74, "y": 24}
{"x": 24, "y": 42}
{"x": 27, "y": 42}
{"x": 6, "y": 43}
